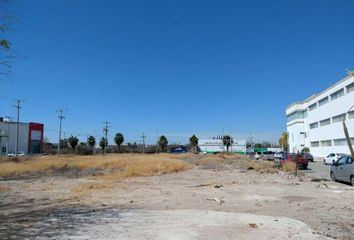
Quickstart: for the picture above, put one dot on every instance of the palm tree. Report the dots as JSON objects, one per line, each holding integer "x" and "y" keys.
{"x": 284, "y": 141}
{"x": 163, "y": 143}
{"x": 91, "y": 141}
{"x": 193, "y": 141}
{"x": 73, "y": 141}
{"x": 227, "y": 141}
{"x": 103, "y": 144}
{"x": 119, "y": 139}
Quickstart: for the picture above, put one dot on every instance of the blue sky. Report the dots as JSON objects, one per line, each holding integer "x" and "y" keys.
{"x": 182, "y": 67}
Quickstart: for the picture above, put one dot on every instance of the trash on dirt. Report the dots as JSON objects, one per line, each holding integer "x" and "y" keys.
{"x": 252, "y": 225}
{"x": 216, "y": 199}
{"x": 218, "y": 186}
{"x": 201, "y": 185}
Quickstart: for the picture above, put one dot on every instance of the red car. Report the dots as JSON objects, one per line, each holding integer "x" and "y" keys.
{"x": 303, "y": 162}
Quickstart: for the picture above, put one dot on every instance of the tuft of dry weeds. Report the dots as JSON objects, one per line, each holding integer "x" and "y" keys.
{"x": 289, "y": 166}
{"x": 126, "y": 165}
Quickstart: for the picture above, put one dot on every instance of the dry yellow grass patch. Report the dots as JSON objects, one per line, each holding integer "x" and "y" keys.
{"x": 125, "y": 164}
{"x": 289, "y": 166}
{"x": 4, "y": 189}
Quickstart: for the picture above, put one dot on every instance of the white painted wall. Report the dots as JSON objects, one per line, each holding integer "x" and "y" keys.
{"x": 328, "y": 110}
{"x": 10, "y": 127}
{"x": 216, "y": 145}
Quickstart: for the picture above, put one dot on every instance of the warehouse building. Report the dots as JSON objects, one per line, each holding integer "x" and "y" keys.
{"x": 316, "y": 122}
{"x": 30, "y": 137}
{"x": 216, "y": 146}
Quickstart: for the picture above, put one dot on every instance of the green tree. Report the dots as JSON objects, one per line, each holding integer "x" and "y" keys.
{"x": 119, "y": 139}
{"x": 91, "y": 141}
{"x": 193, "y": 141}
{"x": 284, "y": 141}
{"x": 163, "y": 143}
{"x": 227, "y": 141}
{"x": 73, "y": 141}
{"x": 305, "y": 150}
{"x": 103, "y": 143}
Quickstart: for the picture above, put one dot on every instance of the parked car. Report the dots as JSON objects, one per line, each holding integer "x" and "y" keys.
{"x": 268, "y": 156}
{"x": 308, "y": 156}
{"x": 303, "y": 162}
{"x": 12, "y": 154}
{"x": 279, "y": 155}
{"x": 332, "y": 158}
{"x": 343, "y": 170}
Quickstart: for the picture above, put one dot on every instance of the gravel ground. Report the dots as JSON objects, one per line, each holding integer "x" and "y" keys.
{"x": 195, "y": 204}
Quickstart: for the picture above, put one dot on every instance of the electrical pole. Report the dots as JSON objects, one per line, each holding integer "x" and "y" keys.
{"x": 105, "y": 130}
{"x": 61, "y": 117}
{"x": 18, "y": 106}
{"x": 143, "y": 136}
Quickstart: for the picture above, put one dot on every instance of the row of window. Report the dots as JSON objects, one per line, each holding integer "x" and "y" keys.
{"x": 349, "y": 88}
{"x": 335, "y": 119}
{"x": 330, "y": 143}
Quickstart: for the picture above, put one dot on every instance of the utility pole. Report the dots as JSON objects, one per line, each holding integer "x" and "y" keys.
{"x": 18, "y": 106}
{"x": 61, "y": 117}
{"x": 143, "y": 136}
{"x": 105, "y": 130}
{"x": 251, "y": 140}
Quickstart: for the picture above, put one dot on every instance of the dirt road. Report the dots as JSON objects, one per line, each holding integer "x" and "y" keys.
{"x": 195, "y": 204}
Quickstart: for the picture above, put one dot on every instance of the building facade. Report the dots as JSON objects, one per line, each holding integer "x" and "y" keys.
{"x": 316, "y": 122}
{"x": 216, "y": 146}
{"x": 30, "y": 139}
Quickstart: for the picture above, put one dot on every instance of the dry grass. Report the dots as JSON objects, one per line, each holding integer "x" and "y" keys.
{"x": 126, "y": 165}
{"x": 4, "y": 189}
{"x": 258, "y": 165}
{"x": 289, "y": 166}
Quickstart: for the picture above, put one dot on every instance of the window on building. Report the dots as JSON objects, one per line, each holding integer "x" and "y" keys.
{"x": 325, "y": 122}
{"x": 314, "y": 125}
{"x": 350, "y": 87}
{"x": 338, "y": 118}
{"x": 326, "y": 143}
{"x": 351, "y": 115}
{"x": 339, "y": 142}
{"x": 315, "y": 144}
{"x": 295, "y": 115}
{"x": 337, "y": 94}
{"x": 323, "y": 101}
{"x": 313, "y": 106}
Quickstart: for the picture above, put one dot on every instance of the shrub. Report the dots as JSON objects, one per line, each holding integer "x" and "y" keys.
{"x": 84, "y": 150}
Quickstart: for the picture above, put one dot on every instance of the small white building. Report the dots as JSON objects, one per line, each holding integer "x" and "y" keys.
{"x": 316, "y": 122}
{"x": 216, "y": 145}
{"x": 30, "y": 139}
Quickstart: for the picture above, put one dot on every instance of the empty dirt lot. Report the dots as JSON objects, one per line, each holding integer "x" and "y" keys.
{"x": 208, "y": 201}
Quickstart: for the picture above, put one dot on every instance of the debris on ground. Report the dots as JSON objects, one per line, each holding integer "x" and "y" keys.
{"x": 216, "y": 199}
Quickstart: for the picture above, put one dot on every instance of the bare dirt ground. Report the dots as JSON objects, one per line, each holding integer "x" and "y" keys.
{"x": 227, "y": 203}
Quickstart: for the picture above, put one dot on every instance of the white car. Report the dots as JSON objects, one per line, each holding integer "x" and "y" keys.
{"x": 20, "y": 154}
{"x": 332, "y": 158}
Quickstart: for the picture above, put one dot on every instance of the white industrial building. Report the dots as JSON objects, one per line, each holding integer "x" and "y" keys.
{"x": 30, "y": 139}
{"x": 216, "y": 145}
{"x": 316, "y": 122}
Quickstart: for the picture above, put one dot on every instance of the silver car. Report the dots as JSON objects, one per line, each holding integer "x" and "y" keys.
{"x": 343, "y": 170}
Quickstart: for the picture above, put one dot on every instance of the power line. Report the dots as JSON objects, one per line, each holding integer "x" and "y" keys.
{"x": 18, "y": 106}
{"x": 105, "y": 130}
{"x": 61, "y": 117}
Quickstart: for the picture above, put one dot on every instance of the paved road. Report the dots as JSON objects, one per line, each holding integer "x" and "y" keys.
{"x": 318, "y": 170}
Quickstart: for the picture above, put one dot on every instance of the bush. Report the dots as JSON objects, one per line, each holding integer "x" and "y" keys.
{"x": 84, "y": 150}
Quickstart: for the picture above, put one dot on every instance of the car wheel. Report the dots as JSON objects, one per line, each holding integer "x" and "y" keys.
{"x": 333, "y": 178}
{"x": 324, "y": 162}
{"x": 304, "y": 167}
{"x": 352, "y": 180}
{"x": 333, "y": 162}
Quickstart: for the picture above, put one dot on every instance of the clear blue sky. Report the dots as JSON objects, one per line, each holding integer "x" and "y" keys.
{"x": 182, "y": 67}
